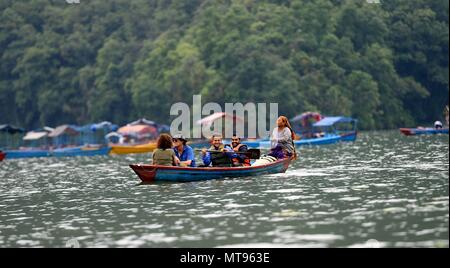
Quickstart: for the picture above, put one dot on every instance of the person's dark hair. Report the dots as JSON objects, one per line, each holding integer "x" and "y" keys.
{"x": 164, "y": 142}
{"x": 182, "y": 140}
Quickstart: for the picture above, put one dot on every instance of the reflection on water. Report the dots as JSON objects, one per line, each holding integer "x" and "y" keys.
{"x": 385, "y": 190}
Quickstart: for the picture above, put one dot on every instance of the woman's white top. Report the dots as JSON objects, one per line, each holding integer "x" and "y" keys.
{"x": 282, "y": 138}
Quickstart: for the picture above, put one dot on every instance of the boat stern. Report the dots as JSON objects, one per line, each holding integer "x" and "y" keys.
{"x": 406, "y": 131}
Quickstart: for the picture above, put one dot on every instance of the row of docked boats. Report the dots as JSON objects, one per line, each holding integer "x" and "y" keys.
{"x": 79, "y": 151}
{"x": 69, "y": 140}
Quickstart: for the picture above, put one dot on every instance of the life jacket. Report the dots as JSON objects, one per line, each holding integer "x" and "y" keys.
{"x": 220, "y": 159}
{"x": 242, "y": 160}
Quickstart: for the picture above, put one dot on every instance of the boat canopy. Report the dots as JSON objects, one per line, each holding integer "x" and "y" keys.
{"x": 32, "y": 135}
{"x": 138, "y": 130}
{"x": 89, "y": 128}
{"x": 209, "y": 120}
{"x": 11, "y": 129}
{"x": 143, "y": 121}
{"x": 329, "y": 121}
{"x": 105, "y": 125}
{"x": 64, "y": 129}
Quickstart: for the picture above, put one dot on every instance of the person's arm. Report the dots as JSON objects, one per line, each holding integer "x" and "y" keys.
{"x": 155, "y": 153}
{"x": 190, "y": 158}
{"x": 186, "y": 163}
{"x": 274, "y": 138}
{"x": 228, "y": 151}
{"x": 206, "y": 158}
{"x": 175, "y": 160}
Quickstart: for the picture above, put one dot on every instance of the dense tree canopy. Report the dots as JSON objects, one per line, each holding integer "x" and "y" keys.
{"x": 384, "y": 63}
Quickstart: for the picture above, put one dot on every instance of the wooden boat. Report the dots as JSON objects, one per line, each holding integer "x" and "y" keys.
{"x": 133, "y": 149}
{"x": 423, "y": 131}
{"x": 150, "y": 173}
{"x": 2, "y": 156}
{"x": 81, "y": 151}
{"x": 16, "y": 154}
{"x": 327, "y": 139}
{"x": 334, "y": 129}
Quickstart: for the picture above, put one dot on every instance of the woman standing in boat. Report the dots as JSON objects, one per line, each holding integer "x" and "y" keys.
{"x": 164, "y": 154}
{"x": 282, "y": 139}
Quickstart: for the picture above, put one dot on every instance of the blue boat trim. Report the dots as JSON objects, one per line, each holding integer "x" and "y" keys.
{"x": 327, "y": 139}
{"x": 17, "y": 154}
{"x": 80, "y": 151}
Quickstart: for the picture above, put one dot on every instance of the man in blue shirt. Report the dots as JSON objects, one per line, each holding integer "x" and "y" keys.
{"x": 184, "y": 152}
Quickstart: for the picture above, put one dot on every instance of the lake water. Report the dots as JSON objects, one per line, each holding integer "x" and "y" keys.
{"x": 385, "y": 190}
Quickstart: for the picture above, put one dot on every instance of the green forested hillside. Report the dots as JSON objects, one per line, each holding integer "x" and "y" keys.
{"x": 386, "y": 64}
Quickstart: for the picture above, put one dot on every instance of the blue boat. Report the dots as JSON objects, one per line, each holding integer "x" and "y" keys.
{"x": 328, "y": 130}
{"x": 151, "y": 173}
{"x": 16, "y": 154}
{"x": 81, "y": 151}
{"x": 423, "y": 131}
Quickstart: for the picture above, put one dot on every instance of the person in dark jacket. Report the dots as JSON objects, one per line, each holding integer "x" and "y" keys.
{"x": 240, "y": 159}
{"x": 219, "y": 155}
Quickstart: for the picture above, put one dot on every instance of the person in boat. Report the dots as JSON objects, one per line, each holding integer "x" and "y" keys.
{"x": 164, "y": 154}
{"x": 438, "y": 125}
{"x": 183, "y": 152}
{"x": 221, "y": 155}
{"x": 238, "y": 147}
{"x": 282, "y": 139}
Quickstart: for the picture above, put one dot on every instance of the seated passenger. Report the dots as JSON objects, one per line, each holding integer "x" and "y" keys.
{"x": 239, "y": 159}
{"x": 219, "y": 155}
{"x": 164, "y": 154}
{"x": 183, "y": 152}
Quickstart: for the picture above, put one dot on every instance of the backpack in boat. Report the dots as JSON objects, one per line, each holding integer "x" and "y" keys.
{"x": 264, "y": 160}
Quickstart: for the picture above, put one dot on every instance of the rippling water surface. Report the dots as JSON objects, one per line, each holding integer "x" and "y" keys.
{"x": 385, "y": 190}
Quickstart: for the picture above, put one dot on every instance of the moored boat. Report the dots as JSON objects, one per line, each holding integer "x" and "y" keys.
{"x": 2, "y": 156}
{"x": 423, "y": 131}
{"x": 327, "y": 139}
{"x": 81, "y": 151}
{"x": 133, "y": 149}
{"x": 326, "y": 132}
{"x": 16, "y": 154}
{"x": 150, "y": 173}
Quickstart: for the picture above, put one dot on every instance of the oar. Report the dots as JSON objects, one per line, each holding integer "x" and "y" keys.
{"x": 251, "y": 153}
